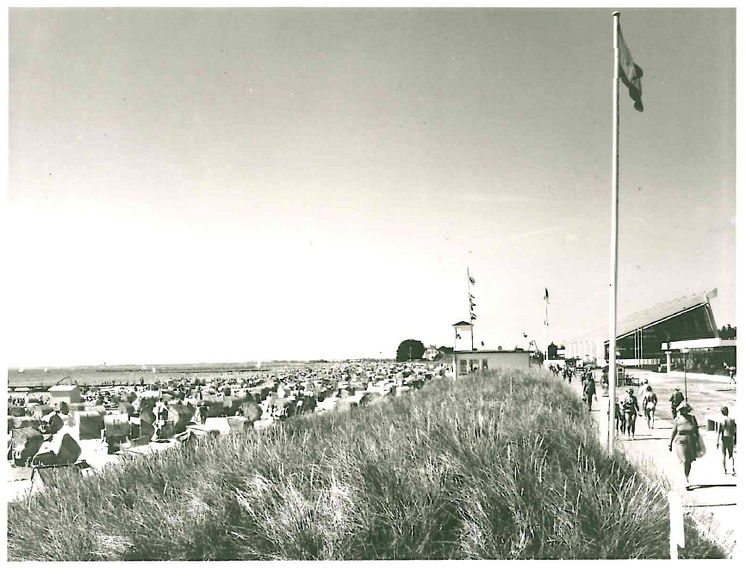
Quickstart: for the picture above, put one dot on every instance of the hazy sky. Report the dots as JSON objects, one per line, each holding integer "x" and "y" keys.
{"x": 228, "y": 185}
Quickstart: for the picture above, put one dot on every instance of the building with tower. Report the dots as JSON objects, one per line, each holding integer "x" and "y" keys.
{"x": 468, "y": 360}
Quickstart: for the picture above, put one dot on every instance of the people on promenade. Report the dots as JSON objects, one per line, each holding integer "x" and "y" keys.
{"x": 642, "y": 390}
{"x": 676, "y": 399}
{"x": 620, "y": 422}
{"x": 649, "y": 403}
{"x": 631, "y": 410}
{"x": 589, "y": 391}
{"x": 727, "y": 439}
{"x": 685, "y": 438}
{"x": 731, "y": 373}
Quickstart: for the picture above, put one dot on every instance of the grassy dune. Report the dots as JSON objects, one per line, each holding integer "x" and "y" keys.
{"x": 499, "y": 466}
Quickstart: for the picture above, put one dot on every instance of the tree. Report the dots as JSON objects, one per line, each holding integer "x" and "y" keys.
{"x": 552, "y": 351}
{"x": 445, "y": 349}
{"x": 727, "y": 332}
{"x": 410, "y": 350}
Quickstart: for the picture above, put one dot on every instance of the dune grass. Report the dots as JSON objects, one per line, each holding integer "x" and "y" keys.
{"x": 501, "y": 466}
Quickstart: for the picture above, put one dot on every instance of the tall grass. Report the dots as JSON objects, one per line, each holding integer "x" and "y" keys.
{"x": 505, "y": 465}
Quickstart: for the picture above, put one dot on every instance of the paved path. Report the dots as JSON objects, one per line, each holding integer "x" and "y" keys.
{"x": 713, "y": 500}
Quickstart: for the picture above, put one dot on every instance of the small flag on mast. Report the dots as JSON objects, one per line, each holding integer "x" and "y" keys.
{"x": 473, "y": 316}
{"x": 630, "y": 73}
{"x": 471, "y": 279}
{"x": 546, "y": 295}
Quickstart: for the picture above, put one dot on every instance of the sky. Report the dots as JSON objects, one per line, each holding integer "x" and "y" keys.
{"x": 215, "y": 185}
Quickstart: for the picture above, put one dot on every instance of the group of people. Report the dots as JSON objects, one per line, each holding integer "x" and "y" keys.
{"x": 686, "y": 440}
{"x": 632, "y": 406}
{"x": 688, "y": 444}
{"x": 555, "y": 369}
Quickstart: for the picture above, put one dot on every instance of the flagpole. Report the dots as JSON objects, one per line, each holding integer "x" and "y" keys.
{"x": 614, "y": 236}
{"x": 546, "y": 329}
{"x": 471, "y": 320}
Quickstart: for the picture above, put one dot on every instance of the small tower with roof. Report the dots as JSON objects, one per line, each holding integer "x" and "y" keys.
{"x": 463, "y": 336}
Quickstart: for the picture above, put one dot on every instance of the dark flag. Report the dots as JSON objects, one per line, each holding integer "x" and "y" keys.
{"x": 630, "y": 73}
{"x": 546, "y": 296}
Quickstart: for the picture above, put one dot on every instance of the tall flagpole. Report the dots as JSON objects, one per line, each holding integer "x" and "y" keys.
{"x": 614, "y": 236}
{"x": 546, "y": 329}
{"x": 471, "y": 320}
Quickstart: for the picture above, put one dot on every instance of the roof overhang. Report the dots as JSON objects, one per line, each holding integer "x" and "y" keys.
{"x": 654, "y": 316}
{"x": 695, "y": 344}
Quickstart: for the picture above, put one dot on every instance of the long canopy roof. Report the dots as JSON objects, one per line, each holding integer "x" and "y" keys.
{"x": 654, "y": 315}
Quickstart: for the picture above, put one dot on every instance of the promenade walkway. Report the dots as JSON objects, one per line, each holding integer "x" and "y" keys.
{"x": 713, "y": 500}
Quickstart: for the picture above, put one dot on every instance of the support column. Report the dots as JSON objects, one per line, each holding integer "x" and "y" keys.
{"x": 668, "y": 361}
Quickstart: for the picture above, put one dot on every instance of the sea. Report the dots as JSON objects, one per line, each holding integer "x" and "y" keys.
{"x": 38, "y": 378}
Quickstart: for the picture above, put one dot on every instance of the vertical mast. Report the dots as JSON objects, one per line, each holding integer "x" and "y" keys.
{"x": 546, "y": 330}
{"x": 471, "y": 318}
{"x": 614, "y": 234}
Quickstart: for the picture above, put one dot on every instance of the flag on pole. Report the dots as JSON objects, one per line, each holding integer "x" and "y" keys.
{"x": 471, "y": 280}
{"x": 473, "y": 316}
{"x": 630, "y": 72}
{"x": 525, "y": 335}
{"x": 546, "y": 295}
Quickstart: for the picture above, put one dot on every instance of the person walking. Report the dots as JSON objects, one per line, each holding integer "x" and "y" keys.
{"x": 621, "y": 424}
{"x": 631, "y": 410}
{"x": 676, "y": 399}
{"x": 732, "y": 375}
{"x": 202, "y": 410}
{"x": 727, "y": 440}
{"x": 642, "y": 390}
{"x": 649, "y": 403}
{"x": 685, "y": 438}
{"x": 589, "y": 391}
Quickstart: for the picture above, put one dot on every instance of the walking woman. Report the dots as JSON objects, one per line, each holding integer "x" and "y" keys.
{"x": 589, "y": 391}
{"x": 631, "y": 410}
{"x": 685, "y": 438}
{"x": 649, "y": 402}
